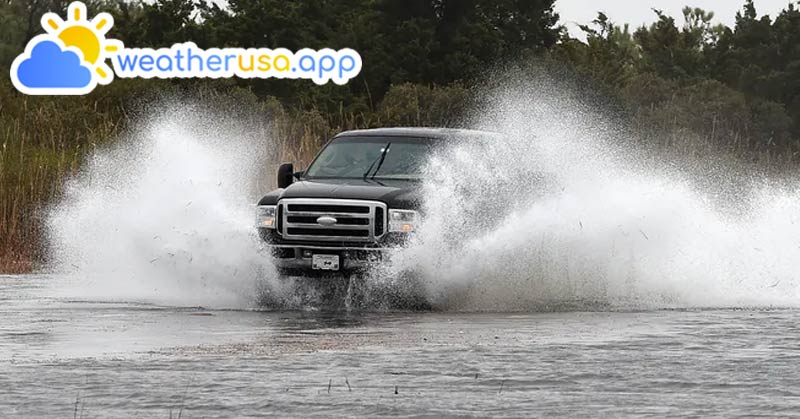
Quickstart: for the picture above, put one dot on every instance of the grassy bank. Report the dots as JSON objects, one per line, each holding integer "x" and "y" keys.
{"x": 44, "y": 140}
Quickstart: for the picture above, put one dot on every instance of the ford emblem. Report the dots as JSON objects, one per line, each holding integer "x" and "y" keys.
{"x": 326, "y": 220}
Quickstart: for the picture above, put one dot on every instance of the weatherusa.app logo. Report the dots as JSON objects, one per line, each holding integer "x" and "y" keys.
{"x": 70, "y": 59}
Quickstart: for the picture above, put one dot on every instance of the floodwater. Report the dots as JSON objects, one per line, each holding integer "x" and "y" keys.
{"x": 65, "y": 358}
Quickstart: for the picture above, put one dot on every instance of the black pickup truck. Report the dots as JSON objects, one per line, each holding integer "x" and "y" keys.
{"x": 357, "y": 200}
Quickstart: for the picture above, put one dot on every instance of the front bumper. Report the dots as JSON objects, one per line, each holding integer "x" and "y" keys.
{"x": 297, "y": 255}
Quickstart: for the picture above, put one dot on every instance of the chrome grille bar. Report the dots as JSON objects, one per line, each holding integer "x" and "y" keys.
{"x": 350, "y": 209}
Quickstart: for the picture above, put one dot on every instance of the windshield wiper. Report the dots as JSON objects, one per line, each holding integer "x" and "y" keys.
{"x": 383, "y": 157}
{"x": 378, "y": 160}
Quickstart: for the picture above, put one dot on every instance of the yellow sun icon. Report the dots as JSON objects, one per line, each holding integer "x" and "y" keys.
{"x": 88, "y": 37}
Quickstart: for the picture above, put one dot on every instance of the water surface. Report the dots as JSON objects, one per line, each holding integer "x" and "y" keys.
{"x": 65, "y": 358}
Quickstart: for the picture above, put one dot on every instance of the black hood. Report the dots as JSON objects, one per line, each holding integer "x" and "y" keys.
{"x": 401, "y": 194}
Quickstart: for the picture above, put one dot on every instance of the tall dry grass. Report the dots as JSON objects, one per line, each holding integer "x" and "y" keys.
{"x": 42, "y": 142}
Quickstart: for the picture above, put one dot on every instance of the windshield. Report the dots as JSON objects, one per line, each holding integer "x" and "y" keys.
{"x": 371, "y": 158}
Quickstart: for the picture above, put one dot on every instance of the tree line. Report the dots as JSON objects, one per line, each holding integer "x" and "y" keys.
{"x": 752, "y": 67}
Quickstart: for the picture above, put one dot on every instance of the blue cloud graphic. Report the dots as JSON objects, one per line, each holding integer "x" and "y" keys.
{"x": 51, "y": 68}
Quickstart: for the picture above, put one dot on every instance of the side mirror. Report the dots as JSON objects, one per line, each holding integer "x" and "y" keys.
{"x": 299, "y": 174}
{"x": 285, "y": 175}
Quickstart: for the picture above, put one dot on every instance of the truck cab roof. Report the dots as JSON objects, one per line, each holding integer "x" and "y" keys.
{"x": 418, "y": 132}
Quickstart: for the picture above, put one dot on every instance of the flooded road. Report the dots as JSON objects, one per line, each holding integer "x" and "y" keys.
{"x": 67, "y": 358}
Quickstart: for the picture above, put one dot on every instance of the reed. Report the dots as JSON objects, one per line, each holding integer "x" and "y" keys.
{"x": 43, "y": 141}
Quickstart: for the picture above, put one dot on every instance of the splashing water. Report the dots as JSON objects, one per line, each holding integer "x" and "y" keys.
{"x": 556, "y": 213}
{"x": 166, "y": 216}
{"x": 572, "y": 218}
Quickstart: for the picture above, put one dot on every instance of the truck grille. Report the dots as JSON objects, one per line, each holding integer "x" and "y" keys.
{"x": 355, "y": 220}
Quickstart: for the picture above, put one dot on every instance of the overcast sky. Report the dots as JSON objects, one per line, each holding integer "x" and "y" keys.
{"x": 638, "y": 12}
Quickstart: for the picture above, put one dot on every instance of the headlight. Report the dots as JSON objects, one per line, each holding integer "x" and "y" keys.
{"x": 265, "y": 216}
{"x": 402, "y": 221}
